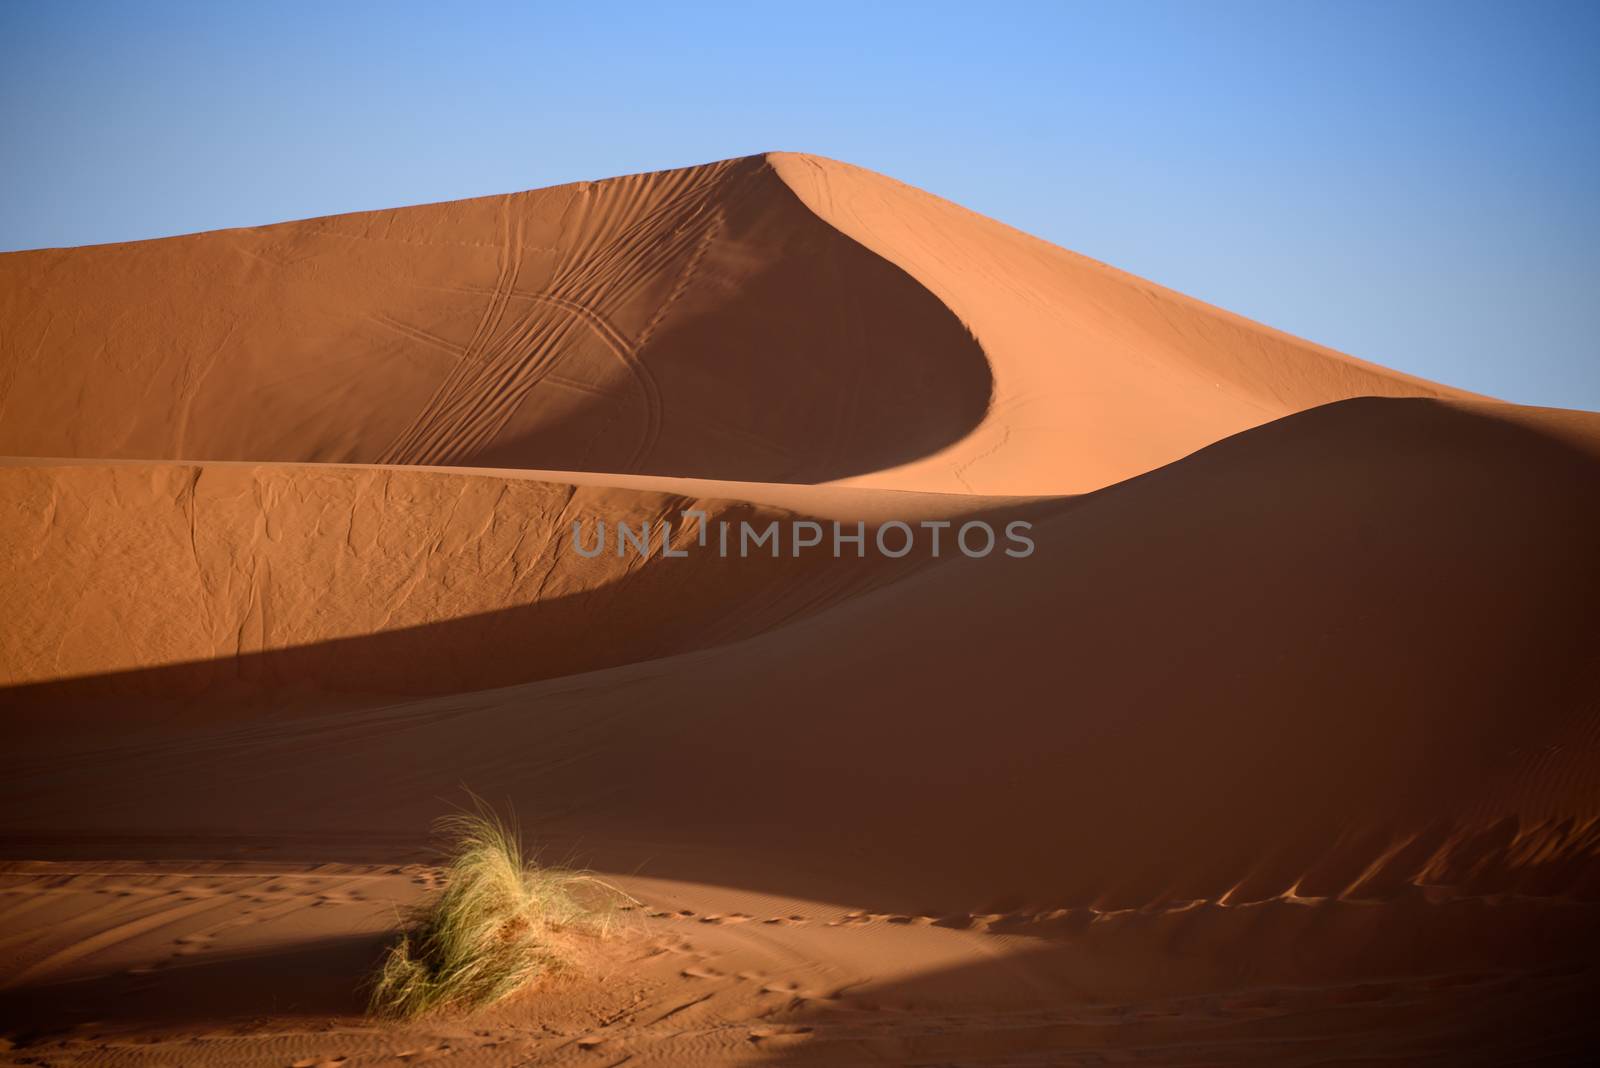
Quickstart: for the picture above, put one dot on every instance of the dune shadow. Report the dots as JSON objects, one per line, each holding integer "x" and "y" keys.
{"x": 660, "y": 609}
{"x": 993, "y": 1013}
{"x": 648, "y": 612}
{"x": 316, "y": 978}
{"x": 785, "y": 351}
{"x": 1379, "y": 708}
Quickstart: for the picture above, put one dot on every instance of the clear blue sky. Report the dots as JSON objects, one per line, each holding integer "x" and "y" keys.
{"x": 1416, "y": 183}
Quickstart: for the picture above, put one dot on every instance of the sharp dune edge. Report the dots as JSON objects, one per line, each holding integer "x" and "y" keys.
{"x": 1280, "y": 748}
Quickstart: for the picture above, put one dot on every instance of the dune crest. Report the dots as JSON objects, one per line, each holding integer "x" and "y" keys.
{"x": 698, "y": 322}
{"x": 1280, "y": 746}
{"x": 779, "y": 318}
{"x": 1099, "y": 375}
{"x": 371, "y": 580}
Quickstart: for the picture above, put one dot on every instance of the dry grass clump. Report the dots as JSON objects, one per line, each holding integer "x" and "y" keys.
{"x": 491, "y": 930}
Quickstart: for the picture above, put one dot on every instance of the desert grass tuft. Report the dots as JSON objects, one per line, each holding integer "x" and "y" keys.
{"x": 494, "y": 927}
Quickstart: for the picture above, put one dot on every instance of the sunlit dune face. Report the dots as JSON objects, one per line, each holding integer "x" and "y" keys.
{"x": 1245, "y": 712}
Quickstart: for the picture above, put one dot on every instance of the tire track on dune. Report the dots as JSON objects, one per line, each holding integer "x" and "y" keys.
{"x": 488, "y": 403}
{"x": 696, "y": 195}
{"x": 519, "y": 363}
{"x": 416, "y": 333}
{"x": 610, "y": 263}
{"x": 618, "y": 242}
{"x": 427, "y": 428}
{"x": 628, "y": 354}
{"x": 408, "y": 442}
{"x": 112, "y": 936}
{"x": 593, "y": 258}
{"x": 445, "y": 429}
{"x": 623, "y": 245}
{"x": 691, "y": 269}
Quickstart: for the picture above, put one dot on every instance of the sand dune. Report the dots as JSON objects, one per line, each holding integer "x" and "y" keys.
{"x": 1223, "y": 671}
{"x": 699, "y": 322}
{"x": 1279, "y": 748}
{"x": 774, "y": 318}
{"x": 1098, "y": 375}
{"x": 387, "y": 580}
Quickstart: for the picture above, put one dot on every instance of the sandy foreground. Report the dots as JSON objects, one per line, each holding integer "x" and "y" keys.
{"x": 1280, "y": 747}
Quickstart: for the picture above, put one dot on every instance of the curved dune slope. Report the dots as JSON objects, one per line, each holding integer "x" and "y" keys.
{"x": 1219, "y": 681}
{"x": 1232, "y": 736}
{"x": 233, "y": 581}
{"x": 1098, "y": 375}
{"x": 773, "y": 318}
{"x": 695, "y": 322}
{"x": 1280, "y": 748}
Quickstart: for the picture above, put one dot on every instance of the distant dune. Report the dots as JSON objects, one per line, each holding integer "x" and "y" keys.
{"x": 1280, "y": 747}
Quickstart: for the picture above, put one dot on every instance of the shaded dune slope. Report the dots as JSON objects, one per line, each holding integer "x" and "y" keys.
{"x": 1315, "y": 625}
{"x": 1294, "y": 705}
{"x": 1275, "y": 688}
{"x": 771, "y": 318}
{"x": 1098, "y": 375}
{"x": 233, "y": 583}
{"x": 694, "y": 322}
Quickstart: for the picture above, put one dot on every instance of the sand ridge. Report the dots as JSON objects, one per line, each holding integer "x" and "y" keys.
{"x": 288, "y": 575}
{"x": 1279, "y": 749}
{"x": 659, "y": 323}
{"x": 778, "y": 318}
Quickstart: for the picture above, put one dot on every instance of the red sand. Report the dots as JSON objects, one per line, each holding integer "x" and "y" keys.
{"x": 1280, "y": 748}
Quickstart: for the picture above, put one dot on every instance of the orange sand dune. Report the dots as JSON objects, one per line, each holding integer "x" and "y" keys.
{"x": 1199, "y": 773}
{"x": 332, "y": 579}
{"x": 695, "y": 322}
{"x": 1280, "y": 748}
{"x": 774, "y": 318}
{"x": 1098, "y": 375}
{"x": 1224, "y": 669}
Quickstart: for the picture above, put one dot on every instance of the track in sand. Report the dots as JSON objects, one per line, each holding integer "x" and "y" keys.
{"x": 1281, "y": 748}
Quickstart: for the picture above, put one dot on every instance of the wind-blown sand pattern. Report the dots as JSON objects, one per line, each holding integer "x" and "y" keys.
{"x": 1279, "y": 749}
